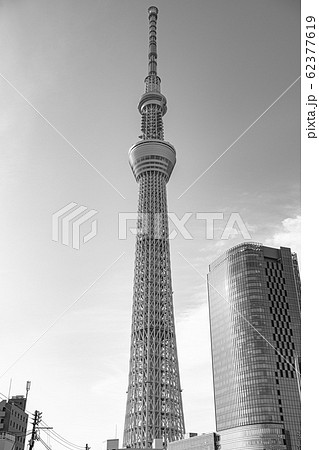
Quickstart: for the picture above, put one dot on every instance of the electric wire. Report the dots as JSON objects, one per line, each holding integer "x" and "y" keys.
{"x": 62, "y": 438}
{"x": 56, "y": 437}
{"x": 59, "y": 442}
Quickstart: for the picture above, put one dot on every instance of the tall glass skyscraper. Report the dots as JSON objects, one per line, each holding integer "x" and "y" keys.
{"x": 254, "y": 302}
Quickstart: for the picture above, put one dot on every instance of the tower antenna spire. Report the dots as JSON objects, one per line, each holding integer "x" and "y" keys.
{"x": 152, "y": 105}
{"x": 152, "y": 54}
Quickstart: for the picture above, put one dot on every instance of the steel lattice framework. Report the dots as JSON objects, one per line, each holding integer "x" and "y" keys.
{"x": 154, "y": 403}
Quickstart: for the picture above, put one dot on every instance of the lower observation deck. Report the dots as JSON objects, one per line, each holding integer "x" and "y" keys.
{"x": 152, "y": 155}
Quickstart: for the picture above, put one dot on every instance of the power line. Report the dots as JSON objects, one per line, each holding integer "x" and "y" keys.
{"x": 59, "y": 442}
{"x": 58, "y": 437}
{"x": 63, "y": 439}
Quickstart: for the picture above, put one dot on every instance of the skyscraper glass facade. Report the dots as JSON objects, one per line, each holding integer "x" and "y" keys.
{"x": 254, "y": 301}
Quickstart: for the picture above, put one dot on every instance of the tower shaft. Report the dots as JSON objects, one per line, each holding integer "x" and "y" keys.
{"x": 154, "y": 404}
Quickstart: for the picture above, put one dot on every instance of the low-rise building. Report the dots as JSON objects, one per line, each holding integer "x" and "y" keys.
{"x": 113, "y": 444}
{"x": 193, "y": 441}
{"x": 14, "y": 419}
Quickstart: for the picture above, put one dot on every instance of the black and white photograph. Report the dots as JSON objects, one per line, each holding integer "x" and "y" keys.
{"x": 151, "y": 269}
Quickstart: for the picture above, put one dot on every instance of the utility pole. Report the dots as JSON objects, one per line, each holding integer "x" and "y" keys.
{"x": 36, "y": 420}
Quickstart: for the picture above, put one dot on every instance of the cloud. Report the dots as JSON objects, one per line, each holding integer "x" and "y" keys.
{"x": 288, "y": 235}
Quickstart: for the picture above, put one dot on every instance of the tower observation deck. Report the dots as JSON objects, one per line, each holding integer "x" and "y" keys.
{"x": 154, "y": 403}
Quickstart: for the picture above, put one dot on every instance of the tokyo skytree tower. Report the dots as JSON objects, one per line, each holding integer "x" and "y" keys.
{"x": 154, "y": 402}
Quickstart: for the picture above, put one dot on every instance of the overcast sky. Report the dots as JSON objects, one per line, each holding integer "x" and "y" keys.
{"x": 81, "y": 65}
